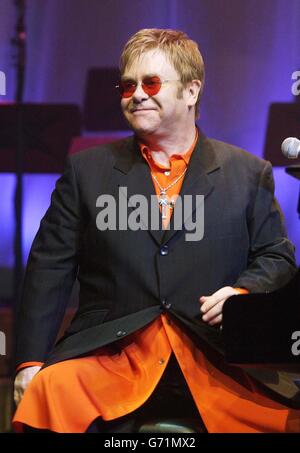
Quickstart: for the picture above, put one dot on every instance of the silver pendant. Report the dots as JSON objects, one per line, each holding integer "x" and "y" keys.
{"x": 164, "y": 203}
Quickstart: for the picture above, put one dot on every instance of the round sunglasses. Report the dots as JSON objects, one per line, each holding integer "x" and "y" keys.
{"x": 151, "y": 86}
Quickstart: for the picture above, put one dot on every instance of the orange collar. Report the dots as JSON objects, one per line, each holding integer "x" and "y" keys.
{"x": 146, "y": 153}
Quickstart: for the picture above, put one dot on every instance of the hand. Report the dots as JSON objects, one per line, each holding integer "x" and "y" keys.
{"x": 212, "y": 306}
{"x": 22, "y": 380}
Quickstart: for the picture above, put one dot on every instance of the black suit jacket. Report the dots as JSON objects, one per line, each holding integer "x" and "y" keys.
{"x": 127, "y": 278}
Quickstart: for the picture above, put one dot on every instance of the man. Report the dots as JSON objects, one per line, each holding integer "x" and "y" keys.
{"x": 151, "y": 298}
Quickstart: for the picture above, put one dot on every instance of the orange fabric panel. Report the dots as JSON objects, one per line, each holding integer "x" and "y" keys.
{"x": 111, "y": 385}
{"x": 242, "y": 290}
{"x": 225, "y": 405}
{"x": 107, "y": 384}
{"x": 27, "y": 364}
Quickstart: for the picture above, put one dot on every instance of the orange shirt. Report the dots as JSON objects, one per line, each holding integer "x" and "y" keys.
{"x": 167, "y": 175}
{"x": 69, "y": 395}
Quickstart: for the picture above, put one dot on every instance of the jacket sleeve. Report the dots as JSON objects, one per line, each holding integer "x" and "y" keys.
{"x": 50, "y": 273}
{"x": 271, "y": 260}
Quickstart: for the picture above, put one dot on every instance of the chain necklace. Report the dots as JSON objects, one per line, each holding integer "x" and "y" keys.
{"x": 163, "y": 199}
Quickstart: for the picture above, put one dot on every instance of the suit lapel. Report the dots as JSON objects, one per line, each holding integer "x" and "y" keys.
{"x": 196, "y": 182}
{"x": 132, "y": 174}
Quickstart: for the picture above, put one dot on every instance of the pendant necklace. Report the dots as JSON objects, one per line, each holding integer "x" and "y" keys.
{"x": 163, "y": 199}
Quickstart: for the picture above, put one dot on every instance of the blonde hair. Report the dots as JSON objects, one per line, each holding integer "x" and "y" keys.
{"x": 181, "y": 51}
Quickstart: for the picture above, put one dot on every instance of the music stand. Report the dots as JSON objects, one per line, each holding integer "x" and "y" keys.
{"x": 102, "y": 111}
{"x": 47, "y": 131}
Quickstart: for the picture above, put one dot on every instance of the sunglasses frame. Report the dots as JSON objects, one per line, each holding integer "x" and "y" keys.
{"x": 146, "y": 89}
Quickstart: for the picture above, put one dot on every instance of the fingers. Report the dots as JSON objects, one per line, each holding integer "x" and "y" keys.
{"x": 212, "y": 306}
{"x": 212, "y": 314}
{"x": 18, "y": 395}
{"x": 19, "y": 389}
{"x": 22, "y": 380}
{"x": 216, "y": 321}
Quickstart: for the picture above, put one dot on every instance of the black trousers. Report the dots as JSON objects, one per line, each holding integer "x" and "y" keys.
{"x": 171, "y": 399}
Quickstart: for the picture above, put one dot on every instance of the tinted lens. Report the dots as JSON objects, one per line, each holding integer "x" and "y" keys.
{"x": 151, "y": 85}
{"x": 127, "y": 88}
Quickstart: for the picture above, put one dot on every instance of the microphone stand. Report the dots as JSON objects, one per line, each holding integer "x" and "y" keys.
{"x": 294, "y": 170}
{"x": 20, "y": 42}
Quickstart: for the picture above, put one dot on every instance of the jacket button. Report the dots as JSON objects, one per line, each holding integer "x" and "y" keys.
{"x": 164, "y": 250}
{"x": 166, "y": 304}
{"x": 121, "y": 333}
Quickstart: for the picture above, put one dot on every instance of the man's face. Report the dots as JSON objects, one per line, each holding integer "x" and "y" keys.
{"x": 166, "y": 111}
